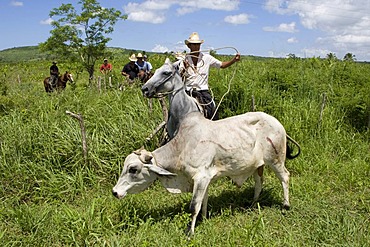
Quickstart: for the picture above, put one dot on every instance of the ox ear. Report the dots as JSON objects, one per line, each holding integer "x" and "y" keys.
{"x": 168, "y": 61}
{"x": 144, "y": 156}
{"x": 159, "y": 170}
{"x": 138, "y": 152}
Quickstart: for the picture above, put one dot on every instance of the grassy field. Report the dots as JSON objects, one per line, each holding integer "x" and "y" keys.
{"x": 51, "y": 196}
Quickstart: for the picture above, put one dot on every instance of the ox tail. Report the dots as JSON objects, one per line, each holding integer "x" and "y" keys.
{"x": 289, "y": 149}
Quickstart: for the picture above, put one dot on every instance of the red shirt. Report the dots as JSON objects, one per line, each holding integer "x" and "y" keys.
{"x": 106, "y": 67}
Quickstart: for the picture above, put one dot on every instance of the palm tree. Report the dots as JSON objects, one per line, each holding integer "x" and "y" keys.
{"x": 349, "y": 57}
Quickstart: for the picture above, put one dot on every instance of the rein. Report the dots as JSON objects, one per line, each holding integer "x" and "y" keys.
{"x": 64, "y": 78}
{"x": 161, "y": 95}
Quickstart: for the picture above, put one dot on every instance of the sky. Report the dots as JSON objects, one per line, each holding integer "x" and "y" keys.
{"x": 267, "y": 28}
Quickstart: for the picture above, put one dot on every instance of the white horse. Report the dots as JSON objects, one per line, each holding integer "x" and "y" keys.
{"x": 167, "y": 81}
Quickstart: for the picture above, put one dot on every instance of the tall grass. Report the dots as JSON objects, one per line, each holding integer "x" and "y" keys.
{"x": 51, "y": 196}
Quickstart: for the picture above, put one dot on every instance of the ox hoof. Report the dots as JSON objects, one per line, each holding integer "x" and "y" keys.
{"x": 189, "y": 232}
{"x": 286, "y": 206}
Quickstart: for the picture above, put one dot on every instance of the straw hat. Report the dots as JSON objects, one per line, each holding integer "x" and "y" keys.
{"x": 105, "y": 59}
{"x": 139, "y": 55}
{"x": 194, "y": 39}
{"x": 132, "y": 58}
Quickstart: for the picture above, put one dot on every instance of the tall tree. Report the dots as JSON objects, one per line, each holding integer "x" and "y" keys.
{"x": 79, "y": 36}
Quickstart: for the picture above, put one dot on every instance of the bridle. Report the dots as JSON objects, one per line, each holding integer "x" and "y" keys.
{"x": 161, "y": 95}
{"x": 66, "y": 77}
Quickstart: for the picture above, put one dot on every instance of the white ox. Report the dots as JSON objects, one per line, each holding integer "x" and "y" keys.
{"x": 203, "y": 151}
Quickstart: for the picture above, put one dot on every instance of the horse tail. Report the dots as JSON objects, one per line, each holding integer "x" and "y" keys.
{"x": 289, "y": 149}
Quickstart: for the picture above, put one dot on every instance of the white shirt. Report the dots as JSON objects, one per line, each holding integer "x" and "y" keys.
{"x": 144, "y": 67}
{"x": 197, "y": 77}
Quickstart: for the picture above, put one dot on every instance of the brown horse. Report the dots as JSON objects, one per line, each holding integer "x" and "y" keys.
{"x": 61, "y": 83}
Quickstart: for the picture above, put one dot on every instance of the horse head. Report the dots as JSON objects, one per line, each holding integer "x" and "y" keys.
{"x": 67, "y": 77}
{"x": 165, "y": 79}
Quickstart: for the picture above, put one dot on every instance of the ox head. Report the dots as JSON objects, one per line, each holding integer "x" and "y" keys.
{"x": 138, "y": 174}
{"x": 163, "y": 80}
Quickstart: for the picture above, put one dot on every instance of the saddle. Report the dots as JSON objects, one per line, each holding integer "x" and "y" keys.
{"x": 53, "y": 81}
{"x": 205, "y": 105}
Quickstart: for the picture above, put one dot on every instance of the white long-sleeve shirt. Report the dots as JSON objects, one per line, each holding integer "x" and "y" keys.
{"x": 197, "y": 77}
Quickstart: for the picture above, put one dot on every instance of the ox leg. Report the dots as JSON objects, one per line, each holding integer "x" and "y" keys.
{"x": 205, "y": 204}
{"x": 283, "y": 174}
{"x": 258, "y": 181}
{"x": 200, "y": 195}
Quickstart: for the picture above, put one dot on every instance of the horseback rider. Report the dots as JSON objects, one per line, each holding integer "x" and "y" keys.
{"x": 195, "y": 70}
{"x": 54, "y": 74}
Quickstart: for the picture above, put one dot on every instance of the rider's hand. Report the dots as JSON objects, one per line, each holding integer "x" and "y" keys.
{"x": 237, "y": 57}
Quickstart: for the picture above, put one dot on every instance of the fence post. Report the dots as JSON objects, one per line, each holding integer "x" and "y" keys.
{"x": 99, "y": 84}
{"x": 110, "y": 81}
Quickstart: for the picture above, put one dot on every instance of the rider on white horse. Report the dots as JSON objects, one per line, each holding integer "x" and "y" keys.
{"x": 195, "y": 71}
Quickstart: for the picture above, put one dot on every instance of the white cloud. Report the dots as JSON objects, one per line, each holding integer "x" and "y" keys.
{"x": 345, "y": 24}
{"x": 313, "y": 52}
{"x": 149, "y": 11}
{"x": 284, "y": 27}
{"x": 155, "y": 11}
{"x": 180, "y": 46}
{"x": 292, "y": 40}
{"x": 194, "y": 5}
{"x": 276, "y": 54}
{"x": 237, "y": 19}
{"x": 147, "y": 16}
{"x": 16, "y": 3}
{"x": 160, "y": 48}
{"x": 46, "y": 22}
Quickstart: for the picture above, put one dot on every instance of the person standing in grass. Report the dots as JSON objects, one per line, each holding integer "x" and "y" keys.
{"x": 130, "y": 71}
{"x": 106, "y": 68}
{"x": 195, "y": 71}
{"x": 143, "y": 67}
{"x": 150, "y": 67}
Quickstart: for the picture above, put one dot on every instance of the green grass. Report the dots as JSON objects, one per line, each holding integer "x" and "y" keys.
{"x": 49, "y": 195}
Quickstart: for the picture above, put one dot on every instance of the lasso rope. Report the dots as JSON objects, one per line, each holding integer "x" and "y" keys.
{"x": 229, "y": 84}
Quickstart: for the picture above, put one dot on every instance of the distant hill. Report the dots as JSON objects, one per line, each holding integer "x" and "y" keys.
{"x": 25, "y": 53}
{"x": 32, "y": 53}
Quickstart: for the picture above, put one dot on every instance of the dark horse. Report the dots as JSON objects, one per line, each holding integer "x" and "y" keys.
{"x": 61, "y": 83}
